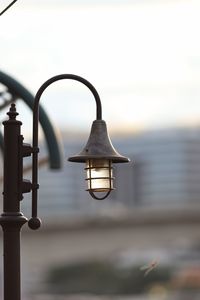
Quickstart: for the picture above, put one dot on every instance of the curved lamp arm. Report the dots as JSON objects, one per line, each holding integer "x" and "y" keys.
{"x": 35, "y": 222}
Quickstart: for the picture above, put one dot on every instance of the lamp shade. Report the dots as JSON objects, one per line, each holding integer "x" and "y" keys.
{"x": 99, "y": 146}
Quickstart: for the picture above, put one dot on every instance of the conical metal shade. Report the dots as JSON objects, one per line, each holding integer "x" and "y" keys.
{"x": 99, "y": 146}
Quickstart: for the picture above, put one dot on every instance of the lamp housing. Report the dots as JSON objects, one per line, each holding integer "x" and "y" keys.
{"x": 99, "y": 154}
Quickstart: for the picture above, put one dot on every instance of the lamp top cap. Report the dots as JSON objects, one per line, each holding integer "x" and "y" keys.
{"x": 99, "y": 146}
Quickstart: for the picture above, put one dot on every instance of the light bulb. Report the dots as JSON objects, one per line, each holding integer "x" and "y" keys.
{"x": 99, "y": 175}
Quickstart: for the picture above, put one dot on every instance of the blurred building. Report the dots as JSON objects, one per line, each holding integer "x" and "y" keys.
{"x": 164, "y": 170}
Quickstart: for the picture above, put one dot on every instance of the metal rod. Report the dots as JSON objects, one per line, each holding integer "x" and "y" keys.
{"x": 7, "y": 7}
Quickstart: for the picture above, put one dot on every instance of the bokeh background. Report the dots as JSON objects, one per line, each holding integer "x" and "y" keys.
{"x": 143, "y": 57}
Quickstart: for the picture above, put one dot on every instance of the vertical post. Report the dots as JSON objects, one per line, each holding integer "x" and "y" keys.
{"x": 12, "y": 219}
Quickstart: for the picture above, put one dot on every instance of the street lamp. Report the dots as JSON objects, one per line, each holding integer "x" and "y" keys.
{"x": 98, "y": 155}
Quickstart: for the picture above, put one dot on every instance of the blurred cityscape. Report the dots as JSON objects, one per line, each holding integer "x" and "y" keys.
{"x": 152, "y": 216}
{"x": 164, "y": 171}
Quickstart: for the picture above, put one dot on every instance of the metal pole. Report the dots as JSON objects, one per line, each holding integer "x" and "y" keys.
{"x": 12, "y": 219}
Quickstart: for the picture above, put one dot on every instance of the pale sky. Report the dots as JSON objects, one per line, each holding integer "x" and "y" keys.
{"x": 143, "y": 57}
